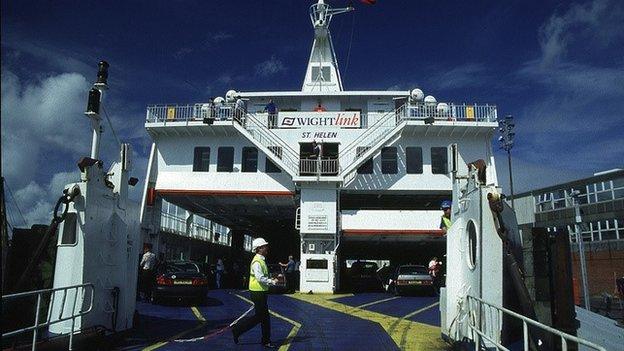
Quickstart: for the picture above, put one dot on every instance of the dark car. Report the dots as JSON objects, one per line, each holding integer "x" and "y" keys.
{"x": 180, "y": 280}
{"x": 411, "y": 278}
{"x": 364, "y": 276}
{"x": 277, "y": 272}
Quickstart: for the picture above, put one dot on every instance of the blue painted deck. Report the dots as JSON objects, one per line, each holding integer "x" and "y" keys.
{"x": 320, "y": 328}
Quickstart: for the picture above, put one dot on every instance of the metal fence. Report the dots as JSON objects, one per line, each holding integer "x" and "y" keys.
{"x": 451, "y": 112}
{"x": 318, "y": 166}
{"x": 491, "y": 318}
{"x": 189, "y": 112}
{"x": 53, "y": 318}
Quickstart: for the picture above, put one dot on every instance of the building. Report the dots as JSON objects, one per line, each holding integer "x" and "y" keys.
{"x": 601, "y": 199}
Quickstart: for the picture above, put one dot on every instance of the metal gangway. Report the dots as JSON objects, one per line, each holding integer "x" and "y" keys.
{"x": 75, "y": 301}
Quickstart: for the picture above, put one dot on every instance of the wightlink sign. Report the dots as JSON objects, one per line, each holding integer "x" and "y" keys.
{"x": 349, "y": 119}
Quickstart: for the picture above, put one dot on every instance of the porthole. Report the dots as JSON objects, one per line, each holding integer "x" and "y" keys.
{"x": 472, "y": 244}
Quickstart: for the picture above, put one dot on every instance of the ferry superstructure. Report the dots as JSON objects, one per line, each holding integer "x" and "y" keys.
{"x": 374, "y": 189}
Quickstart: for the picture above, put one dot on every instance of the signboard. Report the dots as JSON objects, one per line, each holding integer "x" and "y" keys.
{"x": 470, "y": 112}
{"x": 348, "y": 119}
{"x": 317, "y": 222}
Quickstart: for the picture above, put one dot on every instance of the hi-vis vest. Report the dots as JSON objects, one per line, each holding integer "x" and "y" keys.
{"x": 254, "y": 284}
{"x": 447, "y": 222}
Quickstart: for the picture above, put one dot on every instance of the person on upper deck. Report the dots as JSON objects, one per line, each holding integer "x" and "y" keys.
{"x": 271, "y": 109}
{"x": 319, "y": 108}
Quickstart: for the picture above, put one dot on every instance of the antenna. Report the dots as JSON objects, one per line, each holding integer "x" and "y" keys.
{"x": 322, "y": 73}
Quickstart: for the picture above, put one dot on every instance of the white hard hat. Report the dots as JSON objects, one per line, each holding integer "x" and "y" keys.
{"x": 257, "y": 242}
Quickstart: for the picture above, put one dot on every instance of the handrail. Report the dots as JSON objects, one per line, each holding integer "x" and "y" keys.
{"x": 565, "y": 338}
{"x": 390, "y": 120}
{"x": 49, "y": 321}
{"x": 268, "y": 139}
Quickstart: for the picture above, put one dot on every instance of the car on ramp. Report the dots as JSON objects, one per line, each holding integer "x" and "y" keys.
{"x": 411, "y": 279}
{"x": 180, "y": 280}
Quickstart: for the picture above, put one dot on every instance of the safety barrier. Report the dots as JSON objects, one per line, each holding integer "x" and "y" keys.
{"x": 190, "y": 112}
{"x": 452, "y": 112}
{"x": 492, "y": 314}
{"x": 84, "y": 289}
{"x": 318, "y": 167}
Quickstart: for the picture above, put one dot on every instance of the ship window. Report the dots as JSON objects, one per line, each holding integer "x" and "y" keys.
{"x": 250, "y": 159}
{"x": 472, "y": 245}
{"x": 225, "y": 159}
{"x": 316, "y": 264}
{"x": 413, "y": 156}
{"x": 439, "y": 160}
{"x": 389, "y": 160}
{"x": 324, "y": 76}
{"x": 366, "y": 167}
{"x": 68, "y": 236}
{"x": 201, "y": 159}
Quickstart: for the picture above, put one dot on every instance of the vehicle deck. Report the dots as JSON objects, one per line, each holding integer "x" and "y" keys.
{"x": 366, "y": 321}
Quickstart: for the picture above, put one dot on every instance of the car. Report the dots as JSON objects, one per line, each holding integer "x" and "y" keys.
{"x": 364, "y": 276}
{"x": 276, "y": 271}
{"x": 411, "y": 278}
{"x": 180, "y": 280}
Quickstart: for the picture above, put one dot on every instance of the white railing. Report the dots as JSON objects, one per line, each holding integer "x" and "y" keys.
{"x": 494, "y": 315}
{"x": 263, "y": 135}
{"x": 453, "y": 112}
{"x": 188, "y": 112}
{"x": 318, "y": 167}
{"x": 53, "y": 318}
{"x": 298, "y": 218}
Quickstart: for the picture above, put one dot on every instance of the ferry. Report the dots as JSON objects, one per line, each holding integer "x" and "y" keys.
{"x": 328, "y": 175}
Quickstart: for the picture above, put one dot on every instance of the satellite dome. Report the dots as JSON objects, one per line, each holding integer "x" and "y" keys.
{"x": 429, "y": 99}
{"x": 218, "y": 100}
{"x": 231, "y": 95}
{"x": 443, "y": 108}
{"x": 417, "y": 94}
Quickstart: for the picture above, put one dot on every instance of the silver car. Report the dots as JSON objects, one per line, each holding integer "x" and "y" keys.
{"x": 411, "y": 278}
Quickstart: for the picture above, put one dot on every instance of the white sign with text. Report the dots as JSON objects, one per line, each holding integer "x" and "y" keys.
{"x": 345, "y": 119}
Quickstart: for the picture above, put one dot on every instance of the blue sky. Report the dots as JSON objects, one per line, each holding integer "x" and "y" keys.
{"x": 558, "y": 67}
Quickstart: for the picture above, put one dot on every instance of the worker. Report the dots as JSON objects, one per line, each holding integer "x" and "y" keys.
{"x": 434, "y": 271}
{"x": 445, "y": 223}
{"x": 259, "y": 282}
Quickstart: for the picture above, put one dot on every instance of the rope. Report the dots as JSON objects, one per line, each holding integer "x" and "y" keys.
{"x": 110, "y": 124}
{"x": 15, "y": 202}
{"x": 350, "y": 43}
{"x": 216, "y": 332}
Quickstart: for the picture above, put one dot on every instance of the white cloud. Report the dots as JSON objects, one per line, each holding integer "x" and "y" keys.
{"x": 595, "y": 23}
{"x": 467, "y": 75}
{"x": 270, "y": 67}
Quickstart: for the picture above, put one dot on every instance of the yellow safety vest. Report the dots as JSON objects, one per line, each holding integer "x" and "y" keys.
{"x": 447, "y": 222}
{"x": 254, "y": 284}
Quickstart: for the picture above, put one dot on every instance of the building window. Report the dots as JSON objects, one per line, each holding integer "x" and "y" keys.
{"x": 250, "y": 159}
{"x": 366, "y": 167}
{"x": 201, "y": 159}
{"x": 389, "y": 164}
{"x": 413, "y": 159}
{"x": 439, "y": 160}
{"x": 225, "y": 159}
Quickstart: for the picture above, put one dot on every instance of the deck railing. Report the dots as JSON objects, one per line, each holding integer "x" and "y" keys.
{"x": 452, "y": 112}
{"x": 190, "y": 112}
{"x": 318, "y": 167}
{"x": 492, "y": 314}
{"x": 76, "y": 300}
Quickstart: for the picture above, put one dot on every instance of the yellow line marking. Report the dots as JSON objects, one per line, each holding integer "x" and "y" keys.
{"x": 378, "y": 301}
{"x": 291, "y": 335}
{"x": 406, "y": 334}
{"x": 160, "y": 344}
{"x": 410, "y": 315}
{"x": 198, "y": 314}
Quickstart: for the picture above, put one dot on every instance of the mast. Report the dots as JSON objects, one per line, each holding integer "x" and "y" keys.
{"x": 322, "y": 73}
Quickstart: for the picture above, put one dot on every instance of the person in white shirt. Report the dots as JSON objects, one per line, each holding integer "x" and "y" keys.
{"x": 148, "y": 262}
